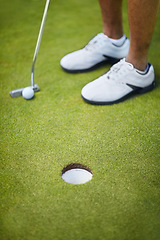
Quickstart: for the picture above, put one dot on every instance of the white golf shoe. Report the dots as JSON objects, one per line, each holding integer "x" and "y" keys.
{"x": 118, "y": 84}
{"x": 99, "y": 50}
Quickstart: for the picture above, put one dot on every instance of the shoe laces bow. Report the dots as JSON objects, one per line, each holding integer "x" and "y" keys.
{"x": 117, "y": 71}
{"x": 96, "y": 42}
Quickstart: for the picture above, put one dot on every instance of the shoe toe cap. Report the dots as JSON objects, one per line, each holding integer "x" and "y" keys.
{"x": 102, "y": 91}
{"x": 66, "y": 63}
{"x": 95, "y": 91}
{"x": 73, "y": 61}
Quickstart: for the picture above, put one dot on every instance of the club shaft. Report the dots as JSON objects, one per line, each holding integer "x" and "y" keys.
{"x": 39, "y": 41}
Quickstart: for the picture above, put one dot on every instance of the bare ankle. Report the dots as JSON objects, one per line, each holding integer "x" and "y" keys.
{"x": 139, "y": 64}
{"x": 111, "y": 33}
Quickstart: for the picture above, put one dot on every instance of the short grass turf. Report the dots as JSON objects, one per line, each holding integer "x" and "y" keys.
{"x": 120, "y": 143}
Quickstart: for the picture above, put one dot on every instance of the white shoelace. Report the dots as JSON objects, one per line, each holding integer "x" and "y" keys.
{"x": 96, "y": 42}
{"x": 118, "y": 70}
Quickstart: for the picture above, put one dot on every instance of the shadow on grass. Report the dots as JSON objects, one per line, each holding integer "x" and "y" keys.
{"x": 157, "y": 79}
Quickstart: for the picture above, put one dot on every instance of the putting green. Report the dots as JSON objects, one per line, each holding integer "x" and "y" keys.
{"x": 119, "y": 143}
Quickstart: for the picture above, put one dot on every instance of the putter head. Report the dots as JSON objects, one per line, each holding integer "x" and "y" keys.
{"x": 18, "y": 92}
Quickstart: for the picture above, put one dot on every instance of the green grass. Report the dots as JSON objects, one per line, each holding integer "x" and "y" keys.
{"x": 120, "y": 143}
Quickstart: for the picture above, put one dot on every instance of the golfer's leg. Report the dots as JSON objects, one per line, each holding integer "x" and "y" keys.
{"x": 112, "y": 18}
{"x": 102, "y": 48}
{"x": 142, "y": 17}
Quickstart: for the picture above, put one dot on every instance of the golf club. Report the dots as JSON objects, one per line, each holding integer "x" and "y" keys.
{"x": 35, "y": 87}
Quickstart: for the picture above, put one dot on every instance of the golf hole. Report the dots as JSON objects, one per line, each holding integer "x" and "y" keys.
{"x": 76, "y": 173}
